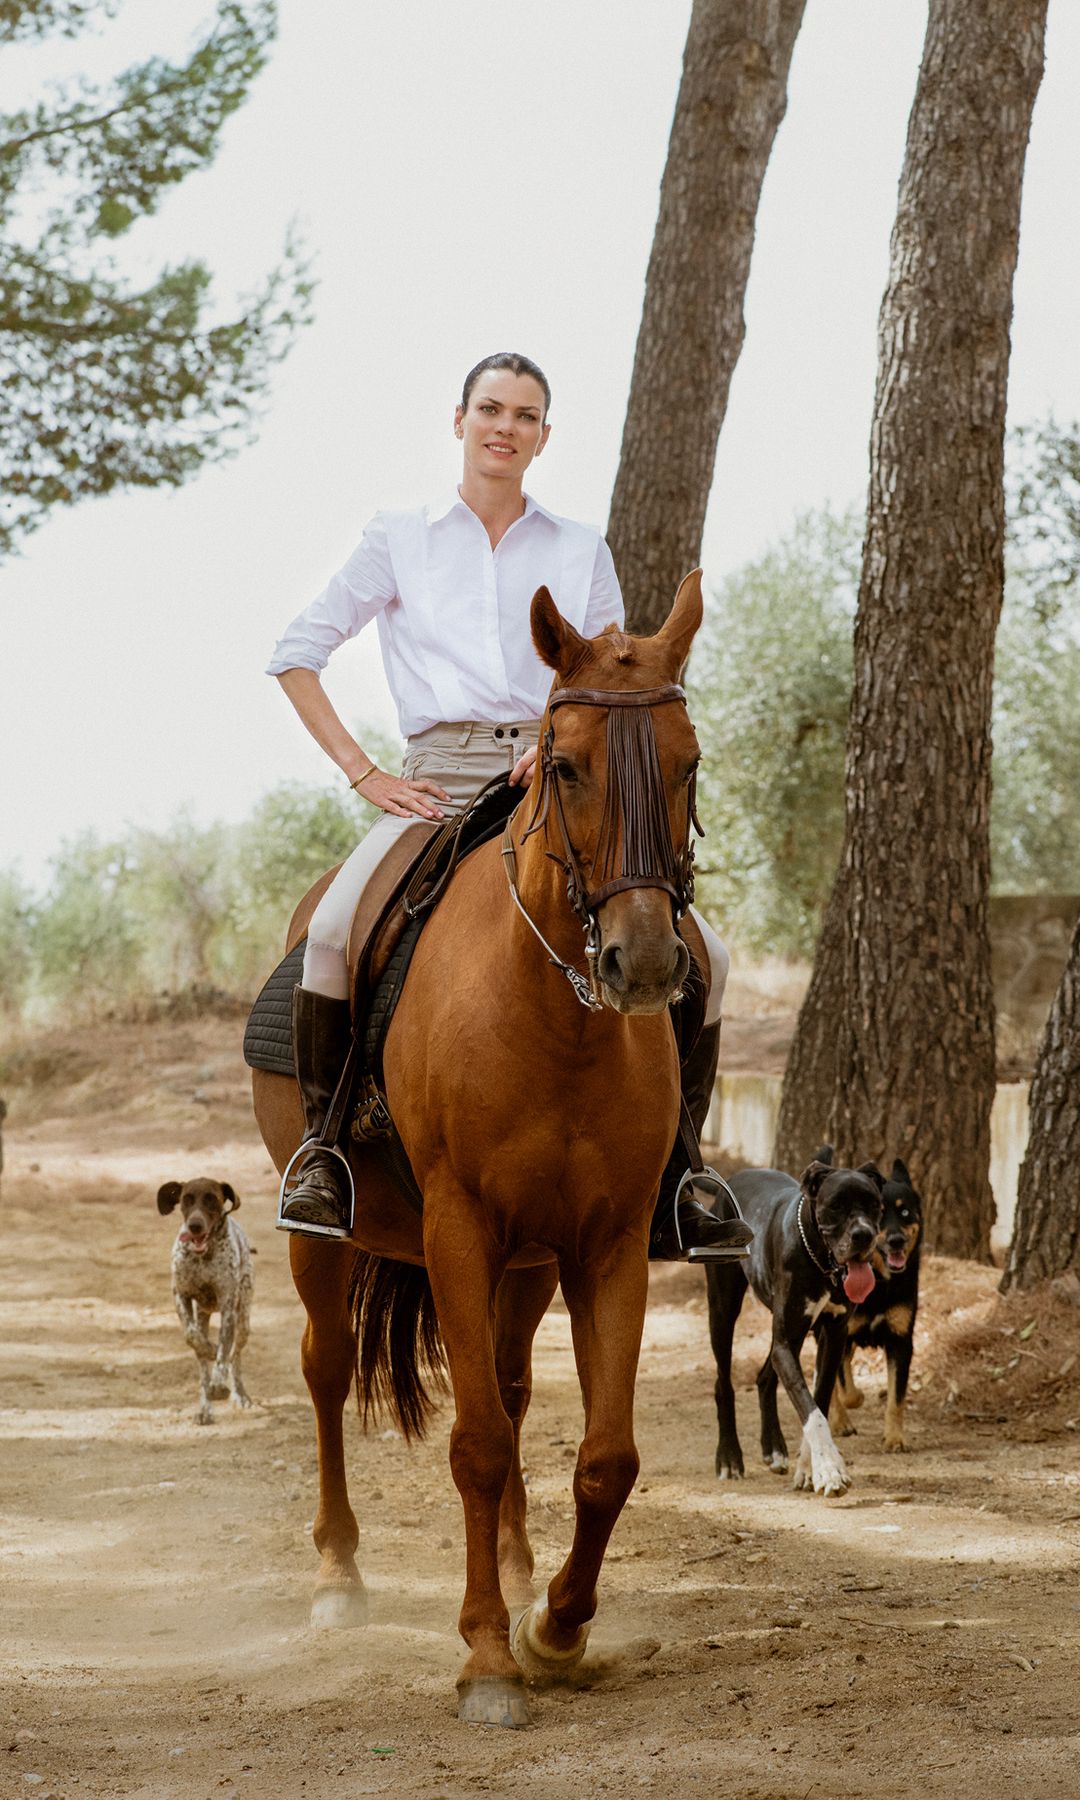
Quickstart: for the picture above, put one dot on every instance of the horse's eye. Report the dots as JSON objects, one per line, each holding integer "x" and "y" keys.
{"x": 564, "y": 770}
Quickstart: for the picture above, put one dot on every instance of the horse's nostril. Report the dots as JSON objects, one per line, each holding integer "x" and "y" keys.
{"x": 610, "y": 968}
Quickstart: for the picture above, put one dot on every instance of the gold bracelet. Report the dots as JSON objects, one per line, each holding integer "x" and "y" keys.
{"x": 370, "y": 770}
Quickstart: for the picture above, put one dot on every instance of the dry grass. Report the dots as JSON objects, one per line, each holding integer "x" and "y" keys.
{"x": 1012, "y": 1359}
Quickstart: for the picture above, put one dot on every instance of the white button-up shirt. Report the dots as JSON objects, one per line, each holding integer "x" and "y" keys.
{"x": 453, "y": 614}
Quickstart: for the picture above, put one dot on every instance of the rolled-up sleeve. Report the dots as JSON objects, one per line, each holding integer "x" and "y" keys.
{"x": 356, "y": 595}
{"x": 605, "y": 605}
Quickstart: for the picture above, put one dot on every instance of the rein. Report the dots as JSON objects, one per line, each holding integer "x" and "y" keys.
{"x": 634, "y": 813}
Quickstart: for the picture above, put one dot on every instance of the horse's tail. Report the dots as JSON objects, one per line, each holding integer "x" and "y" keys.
{"x": 399, "y": 1347}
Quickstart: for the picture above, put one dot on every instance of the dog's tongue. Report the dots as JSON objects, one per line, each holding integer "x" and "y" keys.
{"x": 858, "y": 1281}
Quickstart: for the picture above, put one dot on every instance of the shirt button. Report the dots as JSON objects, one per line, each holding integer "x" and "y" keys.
{"x": 499, "y": 731}
{"x": 513, "y": 731}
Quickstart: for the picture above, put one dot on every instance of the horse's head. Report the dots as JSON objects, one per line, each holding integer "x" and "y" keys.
{"x": 615, "y": 778}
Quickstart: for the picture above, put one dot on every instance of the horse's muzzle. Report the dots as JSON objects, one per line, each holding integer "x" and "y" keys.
{"x": 642, "y": 971}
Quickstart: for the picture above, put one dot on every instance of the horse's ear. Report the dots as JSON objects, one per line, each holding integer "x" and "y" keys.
{"x": 557, "y": 643}
{"x": 167, "y": 1196}
{"x": 231, "y": 1195}
{"x": 683, "y": 620}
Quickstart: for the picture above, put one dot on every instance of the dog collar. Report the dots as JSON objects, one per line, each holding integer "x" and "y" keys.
{"x": 829, "y": 1274}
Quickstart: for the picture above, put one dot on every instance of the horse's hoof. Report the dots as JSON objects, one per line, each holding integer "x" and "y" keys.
{"x": 339, "y": 1608}
{"x": 537, "y": 1659}
{"x": 491, "y": 1700}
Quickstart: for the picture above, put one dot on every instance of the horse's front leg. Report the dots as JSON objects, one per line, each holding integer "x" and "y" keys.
{"x": 606, "y": 1301}
{"x": 320, "y": 1270}
{"x": 521, "y": 1301}
{"x": 465, "y": 1268}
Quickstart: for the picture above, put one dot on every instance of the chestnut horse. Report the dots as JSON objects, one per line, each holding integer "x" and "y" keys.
{"x": 538, "y": 1117}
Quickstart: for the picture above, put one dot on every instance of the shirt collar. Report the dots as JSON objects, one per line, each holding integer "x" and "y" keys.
{"x": 446, "y": 503}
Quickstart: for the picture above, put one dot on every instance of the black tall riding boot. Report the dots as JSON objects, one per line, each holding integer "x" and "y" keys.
{"x": 320, "y": 1201}
{"x": 681, "y": 1223}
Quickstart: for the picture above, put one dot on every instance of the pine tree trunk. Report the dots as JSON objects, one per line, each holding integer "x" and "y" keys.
{"x": 731, "y": 101}
{"x": 894, "y": 1053}
{"x": 1046, "y": 1234}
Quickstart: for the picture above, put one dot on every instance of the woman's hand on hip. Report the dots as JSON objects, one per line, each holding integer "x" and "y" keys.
{"x": 405, "y": 799}
{"x": 521, "y": 773}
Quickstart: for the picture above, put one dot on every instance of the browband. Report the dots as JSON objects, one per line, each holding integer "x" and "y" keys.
{"x": 608, "y": 697}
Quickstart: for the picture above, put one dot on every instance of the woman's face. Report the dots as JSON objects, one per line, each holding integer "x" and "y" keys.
{"x": 503, "y": 427}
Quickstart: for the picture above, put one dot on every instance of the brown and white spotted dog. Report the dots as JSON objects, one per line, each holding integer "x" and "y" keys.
{"x": 886, "y": 1319}
{"x": 211, "y": 1272}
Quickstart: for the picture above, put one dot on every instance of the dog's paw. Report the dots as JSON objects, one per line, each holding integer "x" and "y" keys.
{"x": 831, "y": 1478}
{"x": 204, "y": 1416}
{"x": 240, "y": 1398}
{"x": 729, "y": 1468}
{"x": 820, "y": 1463}
{"x": 894, "y": 1443}
{"x": 777, "y": 1462}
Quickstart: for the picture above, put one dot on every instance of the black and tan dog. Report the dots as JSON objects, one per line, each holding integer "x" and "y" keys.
{"x": 809, "y": 1264}
{"x": 885, "y": 1320}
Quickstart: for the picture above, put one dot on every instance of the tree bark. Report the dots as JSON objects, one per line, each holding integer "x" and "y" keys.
{"x": 732, "y": 98}
{"x": 894, "y": 1051}
{"x": 1046, "y": 1233}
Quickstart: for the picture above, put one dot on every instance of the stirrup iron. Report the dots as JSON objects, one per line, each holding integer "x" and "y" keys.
{"x": 330, "y": 1231}
{"x": 713, "y": 1183}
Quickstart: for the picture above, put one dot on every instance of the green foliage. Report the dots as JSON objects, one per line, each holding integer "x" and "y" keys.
{"x": 106, "y": 385}
{"x": 1035, "y": 816}
{"x": 293, "y": 836}
{"x": 770, "y": 684}
{"x": 1043, "y": 491}
{"x": 86, "y": 937}
{"x": 15, "y": 943}
{"x": 195, "y": 912}
{"x": 23, "y": 20}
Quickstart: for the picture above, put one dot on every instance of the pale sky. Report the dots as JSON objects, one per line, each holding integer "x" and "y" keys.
{"x": 470, "y": 176}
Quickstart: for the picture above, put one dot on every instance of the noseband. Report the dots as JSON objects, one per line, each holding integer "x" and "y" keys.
{"x": 635, "y": 818}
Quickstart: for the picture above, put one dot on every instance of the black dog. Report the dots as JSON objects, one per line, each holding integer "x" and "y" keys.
{"x": 809, "y": 1265}
{"x": 886, "y": 1318}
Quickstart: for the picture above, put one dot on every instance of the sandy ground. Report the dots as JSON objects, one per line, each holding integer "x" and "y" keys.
{"x": 918, "y": 1636}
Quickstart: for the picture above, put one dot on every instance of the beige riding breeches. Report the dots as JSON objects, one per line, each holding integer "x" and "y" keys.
{"x": 460, "y": 759}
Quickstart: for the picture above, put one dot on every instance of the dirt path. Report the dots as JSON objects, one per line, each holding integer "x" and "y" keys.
{"x": 919, "y": 1636}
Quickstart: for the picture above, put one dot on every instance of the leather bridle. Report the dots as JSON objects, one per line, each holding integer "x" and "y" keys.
{"x": 634, "y": 821}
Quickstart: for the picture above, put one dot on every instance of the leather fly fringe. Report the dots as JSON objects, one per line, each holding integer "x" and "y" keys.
{"x": 635, "y": 805}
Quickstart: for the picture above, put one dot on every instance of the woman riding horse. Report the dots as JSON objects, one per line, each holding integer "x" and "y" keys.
{"x": 449, "y": 586}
